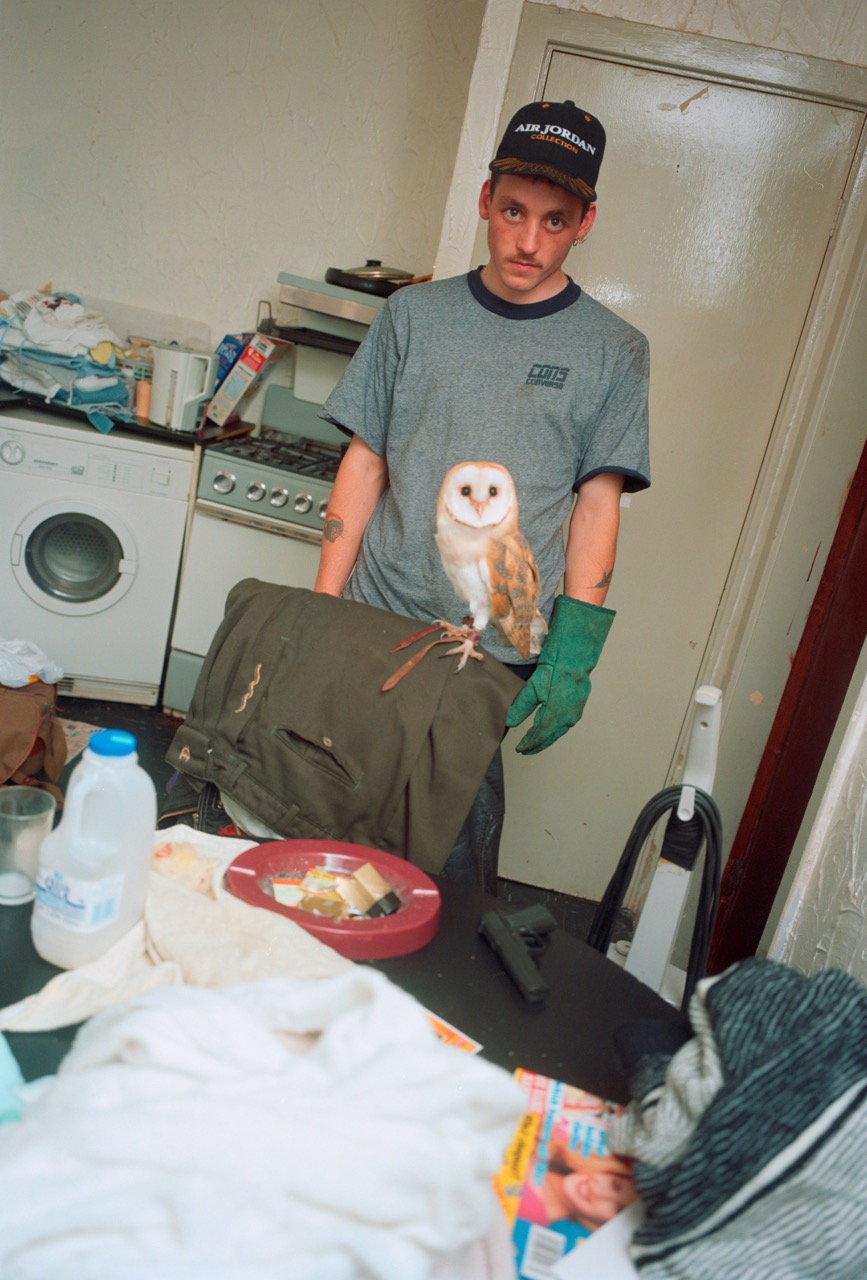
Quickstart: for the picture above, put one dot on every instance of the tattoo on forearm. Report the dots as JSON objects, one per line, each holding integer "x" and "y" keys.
{"x": 604, "y": 581}
{"x": 333, "y": 527}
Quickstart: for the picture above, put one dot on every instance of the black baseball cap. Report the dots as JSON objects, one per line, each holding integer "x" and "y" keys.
{"x": 554, "y": 140}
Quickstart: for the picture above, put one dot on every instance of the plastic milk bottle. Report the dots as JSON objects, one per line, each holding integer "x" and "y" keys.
{"x": 94, "y": 866}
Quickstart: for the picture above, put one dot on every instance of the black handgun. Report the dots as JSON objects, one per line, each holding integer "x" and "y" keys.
{"x": 517, "y": 937}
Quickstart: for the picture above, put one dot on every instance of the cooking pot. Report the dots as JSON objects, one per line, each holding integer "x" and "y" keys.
{"x": 373, "y": 277}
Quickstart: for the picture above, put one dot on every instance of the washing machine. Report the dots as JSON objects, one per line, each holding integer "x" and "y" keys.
{"x": 91, "y": 534}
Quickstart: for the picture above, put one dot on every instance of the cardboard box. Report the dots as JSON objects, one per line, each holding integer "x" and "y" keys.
{"x": 258, "y": 355}
{"x": 228, "y": 351}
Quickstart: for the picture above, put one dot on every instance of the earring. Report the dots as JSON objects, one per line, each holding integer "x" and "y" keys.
{"x": 575, "y": 243}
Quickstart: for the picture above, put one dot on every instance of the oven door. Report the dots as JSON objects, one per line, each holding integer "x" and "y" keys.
{"x": 223, "y": 548}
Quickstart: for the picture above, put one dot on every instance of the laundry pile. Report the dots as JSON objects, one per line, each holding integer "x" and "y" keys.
{"x": 313, "y": 1128}
{"x": 53, "y": 347}
{"x": 245, "y": 1102}
{"x": 749, "y": 1138}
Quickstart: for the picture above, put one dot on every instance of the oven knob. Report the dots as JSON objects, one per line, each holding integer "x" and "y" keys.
{"x": 256, "y": 491}
{"x": 303, "y": 503}
{"x": 279, "y": 497}
{"x": 224, "y": 482}
{"x": 12, "y": 452}
{"x": 323, "y": 510}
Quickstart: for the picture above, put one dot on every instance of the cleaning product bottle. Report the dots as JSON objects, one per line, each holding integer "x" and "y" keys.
{"x": 94, "y": 866}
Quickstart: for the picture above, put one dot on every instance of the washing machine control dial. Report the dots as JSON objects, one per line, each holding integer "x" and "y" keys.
{"x": 12, "y": 452}
{"x": 303, "y": 503}
{"x": 224, "y": 482}
{"x": 256, "y": 491}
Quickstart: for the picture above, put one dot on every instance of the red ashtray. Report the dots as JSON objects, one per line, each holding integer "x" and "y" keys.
{"x": 410, "y": 928}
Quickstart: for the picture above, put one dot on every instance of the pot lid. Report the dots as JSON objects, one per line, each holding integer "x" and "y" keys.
{"x": 374, "y": 270}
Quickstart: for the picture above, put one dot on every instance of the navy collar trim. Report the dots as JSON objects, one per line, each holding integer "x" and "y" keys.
{"x": 521, "y": 311}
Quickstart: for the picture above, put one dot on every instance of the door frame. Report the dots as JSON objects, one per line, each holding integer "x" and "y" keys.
{"x": 679, "y": 52}
{"x": 737, "y": 641}
{"x": 818, "y": 683}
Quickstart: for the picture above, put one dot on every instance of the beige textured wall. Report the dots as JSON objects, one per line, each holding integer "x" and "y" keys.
{"x": 176, "y": 156}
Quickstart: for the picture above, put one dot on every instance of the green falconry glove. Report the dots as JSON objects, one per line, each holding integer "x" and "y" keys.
{"x": 560, "y": 685}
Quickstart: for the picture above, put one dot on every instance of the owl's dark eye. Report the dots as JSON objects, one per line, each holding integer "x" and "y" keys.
{"x": 493, "y": 491}
{"x": 465, "y": 490}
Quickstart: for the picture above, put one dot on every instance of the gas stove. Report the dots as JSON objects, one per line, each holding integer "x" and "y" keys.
{"x": 286, "y": 479}
{"x": 280, "y": 480}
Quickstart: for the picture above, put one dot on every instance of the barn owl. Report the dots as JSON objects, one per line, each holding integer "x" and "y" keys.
{"x": 486, "y": 557}
{"x": 488, "y": 562}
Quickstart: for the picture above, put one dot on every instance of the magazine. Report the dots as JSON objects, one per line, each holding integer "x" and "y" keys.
{"x": 559, "y": 1182}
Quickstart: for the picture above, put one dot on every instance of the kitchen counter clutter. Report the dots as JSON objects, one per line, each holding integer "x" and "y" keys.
{"x": 21, "y": 405}
{"x": 61, "y": 354}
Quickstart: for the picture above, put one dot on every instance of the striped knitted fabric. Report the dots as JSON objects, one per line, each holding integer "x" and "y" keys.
{"x": 750, "y": 1139}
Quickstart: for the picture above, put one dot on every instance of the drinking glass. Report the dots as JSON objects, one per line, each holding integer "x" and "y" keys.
{"x": 26, "y": 817}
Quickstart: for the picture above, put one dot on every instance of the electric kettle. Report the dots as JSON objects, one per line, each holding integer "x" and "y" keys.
{"x": 183, "y": 383}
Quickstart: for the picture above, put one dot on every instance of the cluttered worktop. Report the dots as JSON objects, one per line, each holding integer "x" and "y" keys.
{"x": 59, "y": 356}
{"x": 60, "y": 352}
{"x": 456, "y": 976}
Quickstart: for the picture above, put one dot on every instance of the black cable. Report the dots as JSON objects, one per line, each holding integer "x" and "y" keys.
{"x": 682, "y": 844}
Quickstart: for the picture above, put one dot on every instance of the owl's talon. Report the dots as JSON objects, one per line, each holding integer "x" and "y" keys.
{"x": 465, "y": 653}
{"x": 469, "y": 639}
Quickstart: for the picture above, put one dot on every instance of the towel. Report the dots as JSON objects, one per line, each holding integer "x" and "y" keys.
{"x": 54, "y": 347}
{"x": 306, "y": 1127}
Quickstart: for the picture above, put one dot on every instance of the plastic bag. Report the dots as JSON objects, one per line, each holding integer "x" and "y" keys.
{"x": 22, "y": 662}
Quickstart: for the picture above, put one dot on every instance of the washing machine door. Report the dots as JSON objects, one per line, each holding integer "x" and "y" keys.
{"x": 74, "y": 557}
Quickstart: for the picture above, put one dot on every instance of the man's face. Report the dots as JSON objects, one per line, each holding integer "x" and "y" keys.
{"x": 531, "y": 226}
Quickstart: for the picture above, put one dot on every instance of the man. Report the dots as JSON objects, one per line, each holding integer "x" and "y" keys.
{"x": 512, "y": 364}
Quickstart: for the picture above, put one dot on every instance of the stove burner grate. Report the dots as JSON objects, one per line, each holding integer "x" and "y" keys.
{"x": 298, "y": 454}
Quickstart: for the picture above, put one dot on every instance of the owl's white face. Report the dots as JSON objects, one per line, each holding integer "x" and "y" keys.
{"x": 479, "y": 494}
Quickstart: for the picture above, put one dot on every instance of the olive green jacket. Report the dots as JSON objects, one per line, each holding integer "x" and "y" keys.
{"x": 289, "y": 720}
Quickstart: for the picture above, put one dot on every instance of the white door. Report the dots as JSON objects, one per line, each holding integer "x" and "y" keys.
{"x": 716, "y": 204}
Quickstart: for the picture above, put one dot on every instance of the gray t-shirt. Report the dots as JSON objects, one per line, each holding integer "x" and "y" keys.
{"x": 555, "y": 391}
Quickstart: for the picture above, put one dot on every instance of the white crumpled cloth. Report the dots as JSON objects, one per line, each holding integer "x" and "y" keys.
{"x": 312, "y": 1129}
{"x": 203, "y": 936}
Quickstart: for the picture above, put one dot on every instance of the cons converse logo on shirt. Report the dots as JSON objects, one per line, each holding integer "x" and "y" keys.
{"x": 547, "y": 375}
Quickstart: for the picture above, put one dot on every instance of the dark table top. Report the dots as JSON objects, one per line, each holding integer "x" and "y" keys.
{"x": 569, "y": 1035}
{"x": 458, "y": 976}
{"x": 22, "y": 973}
